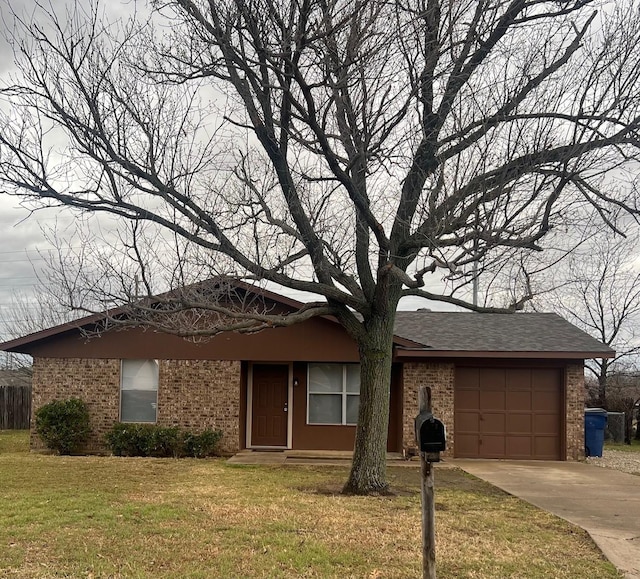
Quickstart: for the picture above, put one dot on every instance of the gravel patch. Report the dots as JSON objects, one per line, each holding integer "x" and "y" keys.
{"x": 618, "y": 460}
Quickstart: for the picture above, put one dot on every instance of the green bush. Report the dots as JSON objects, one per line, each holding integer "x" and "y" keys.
{"x": 126, "y": 439}
{"x": 163, "y": 441}
{"x": 63, "y": 425}
{"x": 203, "y": 444}
{"x": 143, "y": 440}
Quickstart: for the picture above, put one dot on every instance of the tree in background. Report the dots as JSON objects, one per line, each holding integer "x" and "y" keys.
{"x": 597, "y": 288}
{"x": 356, "y": 150}
{"x": 26, "y": 313}
{"x": 29, "y": 312}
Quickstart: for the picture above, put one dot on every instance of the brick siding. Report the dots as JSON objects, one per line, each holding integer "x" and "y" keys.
{"x": 192, "y": 394}
{"x": 200, "y": 394}
{"x": 574, "y": 419}
{"x": 97, "y": 382}
{"x": 440, "y": 378}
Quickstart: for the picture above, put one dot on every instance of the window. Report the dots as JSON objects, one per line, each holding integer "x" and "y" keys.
{"x": 334, "y": 393}
{"x": 139, "y": 391}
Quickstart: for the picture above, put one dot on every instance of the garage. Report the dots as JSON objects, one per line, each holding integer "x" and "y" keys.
{"x": 513, "y": 413}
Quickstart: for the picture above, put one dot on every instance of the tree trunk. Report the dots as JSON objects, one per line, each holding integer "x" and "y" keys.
{"x": 369, "y": 468}
{"x": 602, "y": 385}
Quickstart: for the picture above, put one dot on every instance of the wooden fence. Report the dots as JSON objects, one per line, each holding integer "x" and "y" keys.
{"x": 15, "y": 407}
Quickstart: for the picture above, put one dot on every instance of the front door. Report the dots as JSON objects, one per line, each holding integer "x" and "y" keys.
{"x": 269, "y": 405}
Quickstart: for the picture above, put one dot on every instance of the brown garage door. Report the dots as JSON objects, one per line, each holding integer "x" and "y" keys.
{"x": 508, "y": 413}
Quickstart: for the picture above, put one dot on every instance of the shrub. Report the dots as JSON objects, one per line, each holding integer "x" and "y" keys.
{"x": 203, "y": 444}
{"x": 163, "y": 441}
{"x": 63, "y": 425}
{"x": 126, "y": 439}
{"x": 143, "y": 440}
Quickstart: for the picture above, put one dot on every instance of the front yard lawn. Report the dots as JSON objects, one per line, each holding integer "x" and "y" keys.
{"x": 99, "y": 517}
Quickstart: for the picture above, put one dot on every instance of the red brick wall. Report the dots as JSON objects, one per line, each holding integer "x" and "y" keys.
{"x": 574, "y": 419}
{"x": 200, "y": 394}
{"x": 97, "y": 382}
{"x": 192, "y": 394}
{"x": 440, "y": 378}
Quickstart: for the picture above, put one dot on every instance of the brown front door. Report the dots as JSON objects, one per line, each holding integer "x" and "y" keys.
{"x": 508, "y": 413}
{"x": 269, "y": 405}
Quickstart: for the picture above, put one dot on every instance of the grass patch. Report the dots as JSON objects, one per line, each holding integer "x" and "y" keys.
{"x": 100, "y": 517}
{"x": 633, "y": 447}
{"x": 14, "y": 441}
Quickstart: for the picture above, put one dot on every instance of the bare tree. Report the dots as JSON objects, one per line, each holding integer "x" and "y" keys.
{"x": 597, "y": 288}
{"x": 28, "y": 312}
{"x": 623, "y": 395}
{"x": 24, "y": 313}
{"x": 355, "y": 149}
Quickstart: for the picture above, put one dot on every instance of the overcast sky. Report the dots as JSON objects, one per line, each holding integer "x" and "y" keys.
{"x": 22, "y": 242}
{"x": 20, "y": 238}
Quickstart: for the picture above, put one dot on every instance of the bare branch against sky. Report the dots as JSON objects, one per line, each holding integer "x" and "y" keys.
{"x": 598, "y": 289}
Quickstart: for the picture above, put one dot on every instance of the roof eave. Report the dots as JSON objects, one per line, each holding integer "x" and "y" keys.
{"x": 17, "y": 344}
{"x": 555, "y": 354}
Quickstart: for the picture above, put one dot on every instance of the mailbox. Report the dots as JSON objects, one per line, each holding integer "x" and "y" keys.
{"x": 430, "y": 433}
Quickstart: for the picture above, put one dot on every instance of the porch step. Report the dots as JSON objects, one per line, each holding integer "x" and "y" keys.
{"x": 320, "y": 454}
{"x": 317, "y": 457}
{"x": 252, "y": 457}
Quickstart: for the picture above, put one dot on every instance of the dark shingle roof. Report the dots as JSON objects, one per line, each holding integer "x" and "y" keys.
{"x": 519, "y": 332}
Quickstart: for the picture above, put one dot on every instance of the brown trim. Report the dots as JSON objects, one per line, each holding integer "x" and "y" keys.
{"x": 402, "y": 353}
{"x": 396, "y": 404}
{"x": 89, "y": 320}
{"x": 244, "y": 385}
{"x": 563, "y": 415}
{"x": 338, "y": 437}
{"x": 13, "y": 345}
{"x": 17, "y": 344}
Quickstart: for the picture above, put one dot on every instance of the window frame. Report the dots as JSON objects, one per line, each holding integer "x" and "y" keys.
{"x": 343, "y": 393}
{"x": 157, "y": 388}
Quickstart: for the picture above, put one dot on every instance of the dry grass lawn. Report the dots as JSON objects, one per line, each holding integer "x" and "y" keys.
{"x": 99, "y": 517}
{"x": 633, "y": 447}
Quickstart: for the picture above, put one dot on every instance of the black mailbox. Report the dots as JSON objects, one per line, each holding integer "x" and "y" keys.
{"x": 430, "y": 433}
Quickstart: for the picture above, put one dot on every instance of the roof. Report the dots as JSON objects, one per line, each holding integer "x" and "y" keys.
{"x": 431, "y": 334}
{"x": 509, "y": 334}
{"x": 19, "y": 344}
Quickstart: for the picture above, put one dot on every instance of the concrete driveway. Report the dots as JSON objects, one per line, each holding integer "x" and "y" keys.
{"x": 604, "y": 502}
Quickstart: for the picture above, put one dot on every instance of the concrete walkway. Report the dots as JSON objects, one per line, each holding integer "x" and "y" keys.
{"x": 604, "y": 502}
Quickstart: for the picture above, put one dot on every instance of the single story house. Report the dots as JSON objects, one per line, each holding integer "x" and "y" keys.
{"x": 505, "y": 385}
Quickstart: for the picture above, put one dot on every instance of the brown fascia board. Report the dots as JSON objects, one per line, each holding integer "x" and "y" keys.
{"x": 401, "y": 353}
{"x": 80, "y": 323}
{"x": 16, "y": 344}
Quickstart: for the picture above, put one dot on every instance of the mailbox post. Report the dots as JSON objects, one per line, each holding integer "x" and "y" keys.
{"x": 431, "y": 439}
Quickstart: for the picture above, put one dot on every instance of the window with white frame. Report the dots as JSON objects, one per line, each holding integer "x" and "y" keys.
{"x": 139, "y": 391}
{"x": 333, "y": 393}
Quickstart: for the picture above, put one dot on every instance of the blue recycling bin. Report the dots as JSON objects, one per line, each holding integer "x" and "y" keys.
{"x": 595, "y": 421}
